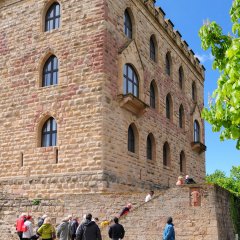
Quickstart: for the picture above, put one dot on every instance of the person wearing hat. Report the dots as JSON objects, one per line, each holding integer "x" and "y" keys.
{"x": 169, "y": 233}
{"x": 28, "y": 229}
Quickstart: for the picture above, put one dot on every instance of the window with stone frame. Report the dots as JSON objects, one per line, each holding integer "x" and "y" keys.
{"x": 181, "y": 77}
{"x": 149, "y": 148}
{"x": 196, "y": 132}
{"x": 152, "y": 49}
{"x": 50, "y": 72}
{"x": 49, "y": 133}
{"x": 152, "y": 96}
{"x": 131, "y": 140}
{"x": 130, "y": 82}
{"x": 168, "y": 107}
{"x": 181, "y": 117}
{"x": 52, "y": 18}
{"x": 166, "y": 154}
{"x": 127, "y": 24}
{"x": 182, "y": 162}
{"x": 194, "y": 92}
{"x": 168, "y": 64}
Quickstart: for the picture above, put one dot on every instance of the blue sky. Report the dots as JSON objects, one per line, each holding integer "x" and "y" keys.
{"x": 188, "y": 16}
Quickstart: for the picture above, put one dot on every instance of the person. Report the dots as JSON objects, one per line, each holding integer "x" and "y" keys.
{"x": 169, "y": 233}
{"x": 63, "y": 230}
{"x": 41, "y": 221}
{"x": 47, "y": 230}
{"x": 73, "y": 227}
{"x": 149, "y": 196}
{"x": 116, "y": 231}
{"x": 189, "y": 180}
{"x": 180, "y": 181}
{"x": 88, "y": 230}
{"x": 19, "y": 224}
{"x": 28, "y": 229}
{"x": 125, "y": 210}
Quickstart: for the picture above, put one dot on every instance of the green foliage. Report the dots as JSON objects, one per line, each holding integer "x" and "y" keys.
{"x": 224, "y": 109}
{"x": 36, "y": 202}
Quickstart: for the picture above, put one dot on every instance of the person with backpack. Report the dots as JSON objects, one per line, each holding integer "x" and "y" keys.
{"x": 73, "y": 227}
{"x": 88, "y": 230}
{"x": 19, "y": 225}
{"x": 27, "y": 229}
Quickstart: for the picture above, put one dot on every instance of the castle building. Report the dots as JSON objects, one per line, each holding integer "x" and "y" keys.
{"x": 96, "y": 96}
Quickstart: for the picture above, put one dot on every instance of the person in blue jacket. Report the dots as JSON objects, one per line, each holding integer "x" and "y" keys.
{"x": 169, "y": 233}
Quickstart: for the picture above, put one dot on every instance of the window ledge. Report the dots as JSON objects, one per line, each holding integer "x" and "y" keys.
{"x": 132, "y": 154}
{"x": 198, "y": 147}
{"x": 132, "y": 104}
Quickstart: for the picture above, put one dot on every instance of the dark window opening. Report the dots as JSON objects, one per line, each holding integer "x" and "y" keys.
{"x": 49, "y": 133}
{"x": 50, "y": 72}
{"x": 127, "y": 25}
{"x": 131, "y": 140}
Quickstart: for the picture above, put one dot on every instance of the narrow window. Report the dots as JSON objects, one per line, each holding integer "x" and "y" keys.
{"x": 196, "y": 131}
{"x": 21, "y": 159}
{"x": 152, "y": 49}
{"x": 56, "y": 155}
{"x": 131, "y": 140}
{"x": 168, "y": 64}
{"x": 166, "y": 154}
{"x": 180, "y": 72}
{"x": 130, "y": 83}
{"x": 52, "y": 19}
{"x": 127, "y": 25}
{"x": 181, "y": 117}
{"x": 152, "y": 96}
{"x": 168, "y": 107}
{"x": 149, "y": 148}
{"x": 194, "y": 95}
{"x": 182, "y": 162}
{"x": 50, "y": 72}
{"x": 49, "y": 133}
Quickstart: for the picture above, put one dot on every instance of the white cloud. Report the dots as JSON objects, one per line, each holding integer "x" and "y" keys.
{"x": 204, "y": 57}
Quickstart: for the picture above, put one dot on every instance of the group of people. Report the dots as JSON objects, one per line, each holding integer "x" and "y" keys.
{"x": 68, "y": 229}
{"x": 188, "y": 180}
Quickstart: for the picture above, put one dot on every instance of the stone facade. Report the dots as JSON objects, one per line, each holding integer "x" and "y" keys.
{"x": 88, "y": 104}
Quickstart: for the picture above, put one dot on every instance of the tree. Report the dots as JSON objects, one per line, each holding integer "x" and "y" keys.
{"x": 224, "y": 108}
{"x": 231, "y": 183}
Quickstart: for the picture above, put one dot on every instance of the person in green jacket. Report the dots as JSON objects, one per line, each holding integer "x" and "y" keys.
{"x": 47, "y": 230}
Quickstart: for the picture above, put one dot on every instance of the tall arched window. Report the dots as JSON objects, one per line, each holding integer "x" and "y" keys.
{"x": 52, "y": 19}
{"x": 166, "y": 154}
{"x": 49, "y": 133}
{"x": 181, "y": 77}
{"x": 130, "y": 84}
{"x": 50, "y": 72}
{"x": 149, "y": 148}
{"x": 194, "y": 91}
{"x": 196, "y": 131}
{"x": 182, "y": 162}
{"x": 168, "y": 107}
{"x": 152, "y": 49}
{"x": 181, "y": 117}
{"x": 131, "y": 140}
{"x": 127, "y": 25}
{"x": 168, "y": 64}
{"x": 152, "y": 96}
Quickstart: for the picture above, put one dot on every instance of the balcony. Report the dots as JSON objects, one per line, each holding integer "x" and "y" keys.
{"x": 132, "y": 104}
{"x": 198, "y": 147}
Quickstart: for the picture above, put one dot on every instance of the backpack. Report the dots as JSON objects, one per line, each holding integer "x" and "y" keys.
{"x": 24, "y": 228}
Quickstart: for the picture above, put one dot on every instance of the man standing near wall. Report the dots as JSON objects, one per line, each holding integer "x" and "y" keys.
{"x": 116, "y": 231}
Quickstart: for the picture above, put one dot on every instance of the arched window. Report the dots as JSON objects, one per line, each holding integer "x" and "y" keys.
{"x": 50, "y": 72}
{"x": 181, "y": 77}
{"x": 152, "y": 49}
{"x": 52, "y": 19}
{"x": 152, "y": 96}
{"x": 168, "y": 64}
{"x": 127, "y": 25}
{"x": 49, "y": 133}
{"x": 130, "y": 84}
{"x": 181, "y": 117}
{"x": 151, "y": 147}
{"x": 131, "y": 140}
{"x": 166, "y": 154}
{"x": 182, "y": 162}
{"x": 194, "y": 92}
{"x": 196, "y": 131}
{"x": 168, "y": 107}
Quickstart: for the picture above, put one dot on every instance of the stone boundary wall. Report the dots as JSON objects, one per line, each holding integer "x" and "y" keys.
{"x": 208, "y": 218}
